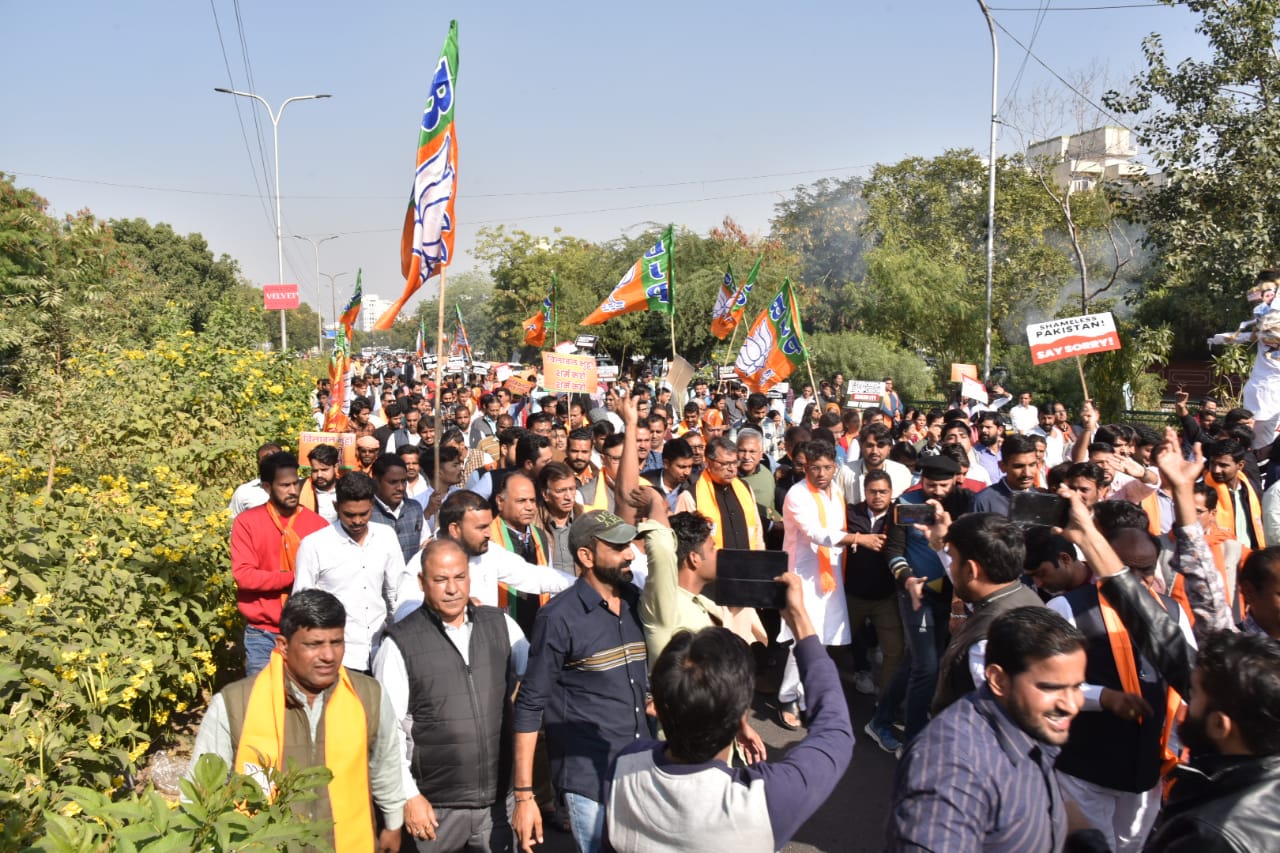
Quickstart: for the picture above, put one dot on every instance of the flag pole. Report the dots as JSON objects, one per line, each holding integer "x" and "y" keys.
{"x": 671, "y": 292}
{"x": 555, "y": 312}
{"x": 732, "y": 337}
{"x": 435, "y": 470}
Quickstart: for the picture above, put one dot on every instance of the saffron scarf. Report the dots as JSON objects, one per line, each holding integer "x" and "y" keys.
{"x": 826, "y": 567}
{"x": 705, "y": 499}
{"x": 1127, "y": 667}
{"x": 346, "y": 750}
{"x": 289, "y": 542}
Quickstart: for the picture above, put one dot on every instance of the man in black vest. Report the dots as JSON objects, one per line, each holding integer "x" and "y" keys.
{"x": 1111, "y": 766}
{"x": 449, "y": 669}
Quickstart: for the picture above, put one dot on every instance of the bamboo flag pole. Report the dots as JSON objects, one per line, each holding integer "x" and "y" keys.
{"x": 671, "y": 292}
{"x": 439, "y": 375}
{"x": 1083, "y": 384}
{"x": 555, "y": 311}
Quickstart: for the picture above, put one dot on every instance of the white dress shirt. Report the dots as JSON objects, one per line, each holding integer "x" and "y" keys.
{"x": 365, "y": 577}
{"x": 851, "y": 474}
{"x": 247, "y": 496}
{"x": 804, "y": 534}
{"x": 389, "y": 669}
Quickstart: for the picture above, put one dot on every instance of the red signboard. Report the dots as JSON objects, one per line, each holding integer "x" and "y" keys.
{"x": 277, "y": 297}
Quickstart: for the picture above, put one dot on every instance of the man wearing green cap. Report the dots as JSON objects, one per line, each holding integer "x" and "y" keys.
{"x": 586, "y": 681}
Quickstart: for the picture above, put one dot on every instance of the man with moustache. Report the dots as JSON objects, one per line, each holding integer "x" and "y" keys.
{"x": 586, "y": 682}
{"x": 448, "y": 669}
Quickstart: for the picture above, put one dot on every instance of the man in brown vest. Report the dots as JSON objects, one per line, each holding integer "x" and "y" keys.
{"x": 324, "y": 705}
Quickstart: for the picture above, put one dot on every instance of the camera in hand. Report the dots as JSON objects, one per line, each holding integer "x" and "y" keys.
{"x": 1039, "y": 508}
{"x": 906, "y": 515}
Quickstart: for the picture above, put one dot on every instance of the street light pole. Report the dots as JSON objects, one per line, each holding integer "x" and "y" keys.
{"x": 333, "y": 298}
{"x": 991, "y": 187}
{"x": 275, "y": 136}
{"x": 319, "y": 314}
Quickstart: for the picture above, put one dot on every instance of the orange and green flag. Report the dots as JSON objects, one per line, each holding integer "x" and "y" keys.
{"x": 724, "y": 321}
{"x": 775, "y": 345}
{"x": 351, "y": 312}
{"x": 426, "y": 243}
{"x": 535, "y": 328}
{"x": 647, "y": 286}
{"x": 724, "y": 299}
{"x": 335, "y": 418}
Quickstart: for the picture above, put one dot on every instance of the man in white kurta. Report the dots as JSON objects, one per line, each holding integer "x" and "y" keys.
{"x": 813, "y": 518}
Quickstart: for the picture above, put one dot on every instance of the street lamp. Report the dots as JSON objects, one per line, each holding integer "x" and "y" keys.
{"x": 275, "y": 136}
{"x": 319, "y": 314}
{"x": 991, "y": 187}
{"x": 332, "y": 298}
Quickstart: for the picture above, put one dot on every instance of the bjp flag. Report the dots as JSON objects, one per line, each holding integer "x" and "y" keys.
{"x": 774, "y": 346}
{"x": 647, "y": 286}
{"x": 426, "y": 242}
{"x": 535, "y": 328}
{"x": 724, "y": 319}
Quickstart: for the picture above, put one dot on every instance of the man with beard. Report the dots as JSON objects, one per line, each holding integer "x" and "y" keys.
{"x": 990, "y": 439}
{"x": 586, "y": 682}
{"x": 1225, "y": 798}
{"x": 368, "y": 449}
{"x": 1239, "y": 509}
{"x": 411, "y": 456}
{"x": 264, "y": 547}
{"x": 393, "y": 509}
{"x": 956, "y": 432}
{"x": 875, "y": 442}
{"x": 577, "y": 455}
{"x": 318, "y": 492}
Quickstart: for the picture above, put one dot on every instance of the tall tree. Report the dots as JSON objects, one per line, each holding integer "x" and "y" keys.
{"x": 1213, "y": 127}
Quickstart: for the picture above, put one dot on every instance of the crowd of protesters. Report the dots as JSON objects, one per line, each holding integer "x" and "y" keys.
{"x": 500, "y": 615}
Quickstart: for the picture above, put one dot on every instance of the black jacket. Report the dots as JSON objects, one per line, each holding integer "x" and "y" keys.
{"x": 1221, "y": 803}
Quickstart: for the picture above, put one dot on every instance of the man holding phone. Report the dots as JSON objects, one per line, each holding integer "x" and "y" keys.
{"x": 924, "y": 598}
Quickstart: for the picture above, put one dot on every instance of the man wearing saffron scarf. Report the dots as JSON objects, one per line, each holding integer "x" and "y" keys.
{"x": 264, "y": 545}
{"x": 814, "y": 521}
{"x": 306, "y": 709}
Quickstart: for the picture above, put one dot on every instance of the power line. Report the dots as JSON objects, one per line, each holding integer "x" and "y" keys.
{"x": 1022, "y": 66}
{"x": 231, "y": 81}
{"x": 1076, "y": 8}
{"x": 1062, "y": 79}
{"x": 248, "y": 73}
{"x": 506, "y": 219}
{"x": 516, "y": 194}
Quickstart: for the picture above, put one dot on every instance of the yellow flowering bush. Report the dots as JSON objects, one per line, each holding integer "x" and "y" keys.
{"x": 116, "y": 597}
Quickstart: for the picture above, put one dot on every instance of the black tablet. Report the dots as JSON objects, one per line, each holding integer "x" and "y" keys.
{"x": 746, "y": 579}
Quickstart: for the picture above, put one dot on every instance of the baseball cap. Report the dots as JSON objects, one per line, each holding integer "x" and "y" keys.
{"x": 599, "y": 524}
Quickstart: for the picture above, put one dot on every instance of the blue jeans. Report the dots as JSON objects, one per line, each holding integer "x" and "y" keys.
{"x": 925, "y": 632}
{"x": 586, "y": 822}
{"x": 258, "y": 646}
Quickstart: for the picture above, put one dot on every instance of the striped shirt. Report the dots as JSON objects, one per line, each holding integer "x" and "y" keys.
{"x": 586, "y": 682}
{"x": 974, "y": 780}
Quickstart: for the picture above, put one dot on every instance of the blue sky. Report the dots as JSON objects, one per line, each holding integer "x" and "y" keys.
{"x": 569, "y": 114}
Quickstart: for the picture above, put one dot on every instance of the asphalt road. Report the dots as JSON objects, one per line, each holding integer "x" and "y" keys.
{"x": 853, "y": 818}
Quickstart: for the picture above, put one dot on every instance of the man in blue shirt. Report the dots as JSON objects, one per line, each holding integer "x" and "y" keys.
{"x": 586, "y": 682}
{"x": 980, "y": 776}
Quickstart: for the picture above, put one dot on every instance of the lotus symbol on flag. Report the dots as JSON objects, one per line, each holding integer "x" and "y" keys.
{"x": 755, "y": 351}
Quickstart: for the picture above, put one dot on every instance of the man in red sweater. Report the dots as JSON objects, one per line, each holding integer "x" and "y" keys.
{"x": 264, "y": 543}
